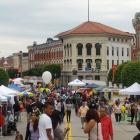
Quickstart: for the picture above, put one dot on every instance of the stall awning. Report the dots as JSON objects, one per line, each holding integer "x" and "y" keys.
{"x": 16, "y": 88}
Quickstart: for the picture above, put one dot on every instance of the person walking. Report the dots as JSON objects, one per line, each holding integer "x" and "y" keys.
{"x": 138, "y": 106}
{"x": 109, "y": 108}
{"x": 45, "y": 123}
{"x": 21, "y": 110}
{"x": 59, "y": 134}
{"x": 16, "y": 108}
{"x": 132, "y": 110}
{"x": 92, "y": 104}
{"x": 106, "y": 123}
{"x": 28, "y": 110}
{"x": 117, "y": 112}
{"x": 32, "y": 132}
{"x": 69, "y": 107}
{"x": 91, "y": 126}
{"x": 83, "y": 111}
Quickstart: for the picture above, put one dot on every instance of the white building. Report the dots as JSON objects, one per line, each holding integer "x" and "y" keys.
{"x": 87, "y": 45}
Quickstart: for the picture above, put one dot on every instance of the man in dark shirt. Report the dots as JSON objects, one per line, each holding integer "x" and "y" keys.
{"x": 92, "y": 105}
{"x": 137, "y": 137}
{"x": 28, "y": 109}
{"x": 16, "y": 108}
{"x": 39, "y": 105}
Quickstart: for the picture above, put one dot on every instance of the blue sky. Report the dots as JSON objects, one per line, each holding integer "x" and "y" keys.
{"x": 25, "y": 21}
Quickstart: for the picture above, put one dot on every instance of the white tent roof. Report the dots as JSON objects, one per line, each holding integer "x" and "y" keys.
{"x": 8, "y": 91}
{"x": 76, "y": 82}
{"x": 132, "y": 90}
{"x": 3, "y": 99}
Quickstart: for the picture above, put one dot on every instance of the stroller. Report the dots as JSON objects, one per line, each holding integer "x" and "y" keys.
{"x": 12, "y": 128}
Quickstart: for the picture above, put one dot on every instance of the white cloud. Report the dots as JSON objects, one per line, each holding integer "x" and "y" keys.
{"x": 23, "y": 21}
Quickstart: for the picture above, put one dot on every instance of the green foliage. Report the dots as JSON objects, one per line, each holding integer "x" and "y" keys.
{"x": 4, "y": 78}
{"x": 53, "y": 69}
{"x": 110, "y": 74}
{"x": 117, "y": 73}
{"x": 12, "y": 73}
{"x": 131, "y": 73}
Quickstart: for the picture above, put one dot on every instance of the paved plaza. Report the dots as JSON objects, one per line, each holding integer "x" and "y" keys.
{"x": 122, "y": 131}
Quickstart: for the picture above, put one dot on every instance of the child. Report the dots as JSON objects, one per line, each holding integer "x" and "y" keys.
{"x": 19, "y": 137}
{"x": 137, "y": 137}
{"x": 36, "y": 110}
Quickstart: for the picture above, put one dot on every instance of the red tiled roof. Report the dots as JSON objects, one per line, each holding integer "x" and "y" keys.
{"x": 93, "y": 28}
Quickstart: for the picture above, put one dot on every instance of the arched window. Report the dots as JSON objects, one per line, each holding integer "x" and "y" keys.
{"x": 80, "y": 47}
{"x": 49, "y": 54}
{"x": 98, "y": 49}
{"x": 98, "y": 63}
{"x": 54, "y": 53}
{"x": 88, "y": 46}
{"x": 80, "y": 64}
{"x": 89, "y": 61}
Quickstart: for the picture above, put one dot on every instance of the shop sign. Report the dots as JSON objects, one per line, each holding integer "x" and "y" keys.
{"x": 116, "y": 93}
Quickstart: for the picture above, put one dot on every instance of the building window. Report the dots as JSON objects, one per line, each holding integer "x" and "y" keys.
{"x": 80, "y": 64}
{"x": 107, "y": 50}
{"x": 122, "y": 40}
{"x": 107, "y": 64}
{"x": 112, "y": 51}
{"x": 54, "y": 53}
{"x": 49, "y": 54}
{"x": 112, "y": 63}
{"x": 88, "y": 46}
{"x": 133, "y": 51}
{"x": 117, "y": 51}
{"x": 113, "y": 39}
{"x": 98, "y": 49}
{"x": 122, "y": 51}
{"x": 98, "y": 63}
{"x": 127, "y": 51}
{"x": 97, "y": 77}
{"x": 118, "y": 39}
{"x": 109, "y": 38}
{"x": 80, "y": 47}
{"x": 80, "y": 77}
{"x": 68, "y": 51}
{"x": 117, "y": 62}
{"x": 89, "y": 61}
{"x": 122, "y": 61}
{"x": 126, "y": 40}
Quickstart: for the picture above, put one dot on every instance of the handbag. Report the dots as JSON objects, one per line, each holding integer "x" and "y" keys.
{"x": 97, "y": 134}
{"x": 122, "y": 117}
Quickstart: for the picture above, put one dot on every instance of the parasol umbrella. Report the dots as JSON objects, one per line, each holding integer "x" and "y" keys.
{"x": 26, "y": 94}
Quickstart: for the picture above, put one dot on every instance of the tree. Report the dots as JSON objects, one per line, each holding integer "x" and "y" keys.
{"x": 38, "y": 71}
{"x": 110, "y": 74}
{"x": 12, "y": 73}
{"x": 54, "y": 69}
{"x": 117, "y": 73}
{"x": 4, "y": 78}
{"x": 25, "y": 73}
{"x": 131, "y": 73}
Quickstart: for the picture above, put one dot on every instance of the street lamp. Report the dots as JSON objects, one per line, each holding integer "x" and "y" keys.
{"x": 117, "y": 50}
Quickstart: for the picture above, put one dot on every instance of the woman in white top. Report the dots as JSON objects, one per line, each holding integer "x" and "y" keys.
{"x": 117, "y": 112}
{"x": 92, "y": 119}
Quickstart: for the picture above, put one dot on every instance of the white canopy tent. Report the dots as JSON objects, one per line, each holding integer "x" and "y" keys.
{"x": 3, "y": 99}
{"x": 8, "y": 91}
{"x": 76, "y": 82}
{"x": 132, "y": 90}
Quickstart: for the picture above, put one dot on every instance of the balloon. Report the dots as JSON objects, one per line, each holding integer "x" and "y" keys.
{"x": 122, "y": 108}
{"x": 100, "y": 131}
{"x": 47, "y": 77}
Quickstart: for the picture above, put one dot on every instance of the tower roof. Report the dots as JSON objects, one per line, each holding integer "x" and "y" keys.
{"x": 90, "y": 27}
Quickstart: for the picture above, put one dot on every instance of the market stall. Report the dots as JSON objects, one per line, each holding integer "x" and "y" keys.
{"x": 76, "y": 82}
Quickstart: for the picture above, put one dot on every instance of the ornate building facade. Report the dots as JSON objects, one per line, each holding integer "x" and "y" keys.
{"x": 136, "y": 25}
{"x": 49, "y": 52}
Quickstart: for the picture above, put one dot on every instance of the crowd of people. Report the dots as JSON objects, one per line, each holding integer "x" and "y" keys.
{"x": 46, "y": 111}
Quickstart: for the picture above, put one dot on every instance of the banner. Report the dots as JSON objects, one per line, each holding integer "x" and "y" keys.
{"x": 116, "y": 93}
{"x": 114, "y": 68}
{"x": 19, "y": 69}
